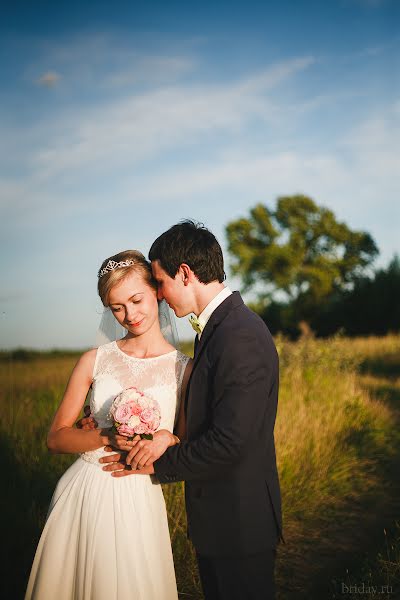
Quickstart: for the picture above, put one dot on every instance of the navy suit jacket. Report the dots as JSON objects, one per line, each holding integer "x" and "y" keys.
{"x": 228, "y": 460}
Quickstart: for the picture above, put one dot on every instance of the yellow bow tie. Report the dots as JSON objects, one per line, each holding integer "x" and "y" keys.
{"x": 195, "y": 323}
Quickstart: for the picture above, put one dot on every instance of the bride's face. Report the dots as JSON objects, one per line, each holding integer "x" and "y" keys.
{"x": 134, "y": 304}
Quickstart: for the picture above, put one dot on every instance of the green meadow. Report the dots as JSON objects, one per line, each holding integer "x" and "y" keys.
{"x": 338, "y": 441}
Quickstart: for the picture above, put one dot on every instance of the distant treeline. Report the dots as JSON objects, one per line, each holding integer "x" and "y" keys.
{"x": 371, "y": 307}
{"x": 29, "y": 354}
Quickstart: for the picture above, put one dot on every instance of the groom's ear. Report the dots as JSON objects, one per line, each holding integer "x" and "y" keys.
{"x": 186, "y": 273}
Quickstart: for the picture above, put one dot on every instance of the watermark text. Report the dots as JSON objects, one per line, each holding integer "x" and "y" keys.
{"x": 366, "y": 588}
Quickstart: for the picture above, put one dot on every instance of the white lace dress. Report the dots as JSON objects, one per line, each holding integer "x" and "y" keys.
{"x": 107, "y": 538}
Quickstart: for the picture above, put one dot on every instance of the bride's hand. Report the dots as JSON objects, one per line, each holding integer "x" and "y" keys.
{"x": 118, "y": 442}
{"x": 145, "y": 452}
{"x": 87, "y": 422}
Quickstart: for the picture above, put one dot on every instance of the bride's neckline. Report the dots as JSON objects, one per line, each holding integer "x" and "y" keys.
{"x": 138, "y": 358}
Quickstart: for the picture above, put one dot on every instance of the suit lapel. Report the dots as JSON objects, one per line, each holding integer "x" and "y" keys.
{"x": 196, "y": 344}
{"x": 216, "y": 318}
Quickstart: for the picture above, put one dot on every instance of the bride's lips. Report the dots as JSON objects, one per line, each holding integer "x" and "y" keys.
{"x": 136, "y": 324}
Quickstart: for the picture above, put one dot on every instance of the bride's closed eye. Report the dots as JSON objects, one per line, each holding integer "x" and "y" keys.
{"x": 118, "y": 308}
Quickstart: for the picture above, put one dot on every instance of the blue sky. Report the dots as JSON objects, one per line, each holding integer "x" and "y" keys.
{"x": 119, "y": 119}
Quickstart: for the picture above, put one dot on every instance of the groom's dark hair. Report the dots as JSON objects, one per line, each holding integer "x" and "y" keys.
{"x": 191, "y": 243}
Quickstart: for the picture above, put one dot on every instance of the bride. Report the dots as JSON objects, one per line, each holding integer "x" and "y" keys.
{"x": 106, "y": 537}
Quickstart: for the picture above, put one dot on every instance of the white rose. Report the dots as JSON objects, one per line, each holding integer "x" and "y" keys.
{"x": 133, "y": 421}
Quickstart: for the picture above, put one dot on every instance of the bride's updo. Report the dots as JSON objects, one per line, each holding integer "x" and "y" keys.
{"x": 113, "y": 271}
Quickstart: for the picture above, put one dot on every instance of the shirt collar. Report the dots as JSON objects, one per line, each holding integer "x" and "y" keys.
{"x": 211, "y": 306}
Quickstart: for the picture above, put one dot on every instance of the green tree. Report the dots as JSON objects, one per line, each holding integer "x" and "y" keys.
{"x": 300, "y": 249}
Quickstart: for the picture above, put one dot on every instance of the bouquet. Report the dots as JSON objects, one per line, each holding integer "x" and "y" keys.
{"x": 133, "y": 413}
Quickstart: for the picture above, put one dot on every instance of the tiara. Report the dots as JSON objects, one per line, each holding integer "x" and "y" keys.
{"x": 111, "y": 265}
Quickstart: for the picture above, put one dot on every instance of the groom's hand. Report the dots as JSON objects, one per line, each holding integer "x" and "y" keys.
{"x": 145, "y": 452}
{"x": 118, "y": 467}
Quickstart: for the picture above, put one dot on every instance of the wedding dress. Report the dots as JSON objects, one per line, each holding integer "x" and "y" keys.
{"x": 107, "y": 538}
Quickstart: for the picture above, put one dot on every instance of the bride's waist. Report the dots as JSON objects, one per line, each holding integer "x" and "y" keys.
{"x": 93, "y": 456}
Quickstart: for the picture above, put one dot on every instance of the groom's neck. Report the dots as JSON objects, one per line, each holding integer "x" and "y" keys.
{"x": 205, "y": 292}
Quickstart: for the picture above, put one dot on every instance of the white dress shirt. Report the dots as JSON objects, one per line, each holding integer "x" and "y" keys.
{"x": 211, "y": 306}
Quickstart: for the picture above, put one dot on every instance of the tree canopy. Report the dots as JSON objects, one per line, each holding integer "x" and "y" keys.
{"x": 299, "y": 248}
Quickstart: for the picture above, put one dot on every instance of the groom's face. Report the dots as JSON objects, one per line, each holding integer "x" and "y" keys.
{"x": 172, "y": 290}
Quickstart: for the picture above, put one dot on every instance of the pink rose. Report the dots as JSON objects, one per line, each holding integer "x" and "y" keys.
{"x": 122, "y": 413}
{"x": 146, "y": 416}
{"x": 134, "y": 408}
{"x": 151, "y": 419}
{"x": 155, "y": 423}
{"x": 125, "y": 430}
{"x": 141, "y": 428}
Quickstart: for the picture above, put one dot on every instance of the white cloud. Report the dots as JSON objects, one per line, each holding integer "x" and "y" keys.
{"x": 128, "y": 131}
{"x": 121, "y": 136}
{"x": 104, "y": 61}
{"x": 375, "y": 145}
{"x": 150, "y": 69}
{"x": 362, "y": 164}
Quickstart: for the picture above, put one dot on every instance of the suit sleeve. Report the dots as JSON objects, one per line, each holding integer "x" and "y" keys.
{"x": 243, "y": 378}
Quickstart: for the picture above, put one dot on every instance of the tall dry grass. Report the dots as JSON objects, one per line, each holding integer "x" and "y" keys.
{"x": 337, "y": 437}
{"x": 325, "y": 422}
{"x": 338, "y": 445}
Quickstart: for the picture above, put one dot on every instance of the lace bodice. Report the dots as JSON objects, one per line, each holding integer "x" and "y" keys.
{"x": 159, "y": 377}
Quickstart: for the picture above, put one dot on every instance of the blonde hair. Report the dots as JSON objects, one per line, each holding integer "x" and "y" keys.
{"x": 115, "y": 276}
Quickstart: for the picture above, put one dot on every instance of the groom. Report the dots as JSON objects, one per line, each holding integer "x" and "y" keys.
{"x": 228, "y": 458}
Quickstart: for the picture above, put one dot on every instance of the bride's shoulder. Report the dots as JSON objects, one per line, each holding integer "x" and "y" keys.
{"x": 88, "y": 358}
{"x": 85, "y": 364}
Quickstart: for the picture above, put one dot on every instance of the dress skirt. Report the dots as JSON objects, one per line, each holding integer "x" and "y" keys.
{"x": 105, "y": 538}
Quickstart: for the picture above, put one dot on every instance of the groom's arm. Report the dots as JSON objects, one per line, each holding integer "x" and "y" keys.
{"x": 244, "y": 379}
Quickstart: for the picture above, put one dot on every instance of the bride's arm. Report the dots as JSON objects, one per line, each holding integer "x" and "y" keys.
{"x": 63, "y": 437}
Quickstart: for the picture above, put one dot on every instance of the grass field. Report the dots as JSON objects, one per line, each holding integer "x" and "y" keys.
{"x": 338, "y": 442}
